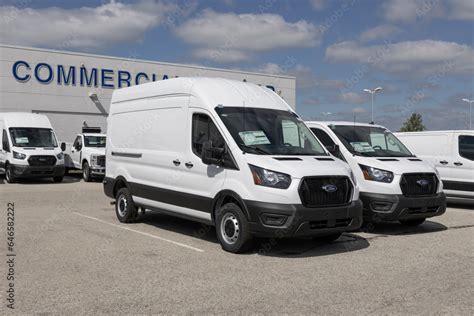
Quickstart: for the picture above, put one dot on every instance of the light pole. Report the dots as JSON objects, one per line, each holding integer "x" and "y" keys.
{"x": 372, "y": 92}
{"x": 470, "y": 111}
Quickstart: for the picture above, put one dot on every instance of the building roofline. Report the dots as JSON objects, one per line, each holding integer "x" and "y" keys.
{"x": 144, "y": 61}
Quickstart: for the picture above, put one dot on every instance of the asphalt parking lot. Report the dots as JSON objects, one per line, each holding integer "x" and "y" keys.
{"x": 73, "y": 256}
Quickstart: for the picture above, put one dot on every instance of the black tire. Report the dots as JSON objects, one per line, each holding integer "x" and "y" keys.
{"x": 330, "y": 238}
{"x": 367, "y": 227}
{"x": 232, "y": 229}
{"x": 86, "y": 172}
{"x": 58, "y": 179}
{"x": 413, "y": 222}
{"x": 66, "y": 171}
{"x": 125, "y": 209}
{"x": 9, "y": 174}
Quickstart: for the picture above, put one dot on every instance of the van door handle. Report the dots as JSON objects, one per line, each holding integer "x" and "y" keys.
{"x": 457, "y": 163}
{"x": 443, "y": 162}
{"x": 189, "y": 164}
{"x": 176, "y": 162}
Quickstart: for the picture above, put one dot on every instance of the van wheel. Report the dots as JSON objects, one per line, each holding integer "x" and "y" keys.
{"x": 232, "y": 229}
{"x": 86, "y": 172}
{"x": 124, "y": 207}
{"x": 9, "y": 174}
{"x": 413, "y": 222}
{"x": 58, "y": 179}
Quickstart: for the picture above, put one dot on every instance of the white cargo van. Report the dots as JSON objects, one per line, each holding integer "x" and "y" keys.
{"x": 452, "y": 152}
{"x": 29, "y": 147}
{"x": 394, "y": 184}
{"x": 225, "y": 153}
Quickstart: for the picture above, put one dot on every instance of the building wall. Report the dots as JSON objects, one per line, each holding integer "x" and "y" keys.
{"x": 58, "y": 84}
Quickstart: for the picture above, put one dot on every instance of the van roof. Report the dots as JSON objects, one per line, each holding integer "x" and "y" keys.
{"x": 25, "y": 119}
{"x": 464, "y": 131}
{"x": 348, "y": 123}
{"x": 211, "y": 91}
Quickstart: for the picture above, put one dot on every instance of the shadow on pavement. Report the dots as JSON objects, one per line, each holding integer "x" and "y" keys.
{"x": 263, "y": 246}
{"x": 395, "y": 228}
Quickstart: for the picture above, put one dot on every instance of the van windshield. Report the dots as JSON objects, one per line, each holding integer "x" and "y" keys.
{"x": 33, "y": 137}
{"x": 94, "y": 141}
{"x": 370, "y": 141}
{"x": 269, "y": 132}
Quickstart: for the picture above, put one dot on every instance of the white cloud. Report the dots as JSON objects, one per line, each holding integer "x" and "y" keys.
{"x": 84, "y": 27}
{"x": 352, "y": 98}
{"x": 318, "y": 5}
{"x": 379, "y": 32}
{"x": 425, "y": 57}
{"x": 408, "y": 11}
{"x": 241, "y": 35}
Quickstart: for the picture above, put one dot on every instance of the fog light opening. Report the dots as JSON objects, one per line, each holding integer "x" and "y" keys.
{"x": 273, "y": 219}
{"x": 381, "y": 206}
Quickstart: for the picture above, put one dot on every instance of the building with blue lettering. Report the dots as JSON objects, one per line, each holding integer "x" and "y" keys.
{"x": 73, "y": 89}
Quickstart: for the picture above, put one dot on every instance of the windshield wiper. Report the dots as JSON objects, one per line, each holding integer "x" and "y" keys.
{"x": 256, "y": 149}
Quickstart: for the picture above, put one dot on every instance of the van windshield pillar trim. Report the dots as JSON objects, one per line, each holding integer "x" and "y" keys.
{"x": 128, "y": 155}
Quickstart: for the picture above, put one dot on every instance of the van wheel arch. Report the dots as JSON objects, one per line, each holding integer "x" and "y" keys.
{"x": 227, "y": 196}
{"x": 120, "y": 182}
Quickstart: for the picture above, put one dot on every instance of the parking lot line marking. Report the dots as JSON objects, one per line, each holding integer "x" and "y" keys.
{"x": 142, "y": 233}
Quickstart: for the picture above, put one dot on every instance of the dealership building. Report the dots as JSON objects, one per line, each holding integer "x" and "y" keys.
{"x": 74, "y": 89}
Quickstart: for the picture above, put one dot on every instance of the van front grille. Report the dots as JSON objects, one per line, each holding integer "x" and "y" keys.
{"x": 38, "y": 161}
{"x": 101, "y": 161}
{"x": 419, "y": 184}
{"x": 325, "y": 191}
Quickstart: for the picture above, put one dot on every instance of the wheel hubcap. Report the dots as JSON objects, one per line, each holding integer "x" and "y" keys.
{"x": 230, "y": 228}
{"x": 122, "y": 205}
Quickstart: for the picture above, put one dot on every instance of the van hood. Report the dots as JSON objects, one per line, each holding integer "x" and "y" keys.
{"x": 96, "y": 150}
{"x": 397, "y": 165}
{"x": 301, "y": 166}
{"x": 37, "y": 150}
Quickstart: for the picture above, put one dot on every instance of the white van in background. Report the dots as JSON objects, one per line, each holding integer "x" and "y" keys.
{"x": 452, "y": 152}
{"x": 394, "y": 184}
{"x": 86, "y": 153}
{"x": 225, "y": 153}
{"x": 29, "y": 147}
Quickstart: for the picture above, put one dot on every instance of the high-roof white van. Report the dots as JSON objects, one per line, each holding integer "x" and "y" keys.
{"x": 225, "y": 153}
{"x": 452, "y": 152}
{"x": 29, "y": 147}
{"x": 395, "y": 185}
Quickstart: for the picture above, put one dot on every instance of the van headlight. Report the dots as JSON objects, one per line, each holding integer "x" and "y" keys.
{"x": 374, "y": 174}
{"x": 18, "y": 155}
{"x": 60, "y": 156}
{"x": 93, "y": 160}
{"x": 269, "y": 178}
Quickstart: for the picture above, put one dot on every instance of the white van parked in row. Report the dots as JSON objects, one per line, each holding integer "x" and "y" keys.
{"x": 452, "y": 152}
{"x": 29, "y": 147}
{"x": 225, "y": 153}
{"x": 87, "y": 153}
{"x": 394, "y": 184}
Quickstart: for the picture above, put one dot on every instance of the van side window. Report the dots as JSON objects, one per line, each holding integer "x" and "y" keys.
{"x": 204, "y": 129}
{"x": 77, "y": 143}
{"x": 466, "y": 147}
{"x": 5, "y": 144}
{"x": 323, "y": 137}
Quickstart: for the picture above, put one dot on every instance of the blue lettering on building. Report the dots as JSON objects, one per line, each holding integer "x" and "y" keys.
{"x": 124, "y": 77}
{"x": 15, "y": 68}
{"x": 39, "y": 75}
{"x": 86, "y": 79}
{"x": 70, "y": 78}
{"x": 106, "y": 78}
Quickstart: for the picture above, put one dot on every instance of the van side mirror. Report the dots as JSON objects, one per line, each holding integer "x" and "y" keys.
{"x": 63, "y": 146}
{"x": 212, "y": 155}
{"x": 334, "y": 150}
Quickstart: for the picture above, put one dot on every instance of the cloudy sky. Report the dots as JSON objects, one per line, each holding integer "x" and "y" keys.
{"x": 420, "y": 51}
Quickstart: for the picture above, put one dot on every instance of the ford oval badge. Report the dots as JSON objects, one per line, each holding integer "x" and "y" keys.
{"x": 329, "y": 188}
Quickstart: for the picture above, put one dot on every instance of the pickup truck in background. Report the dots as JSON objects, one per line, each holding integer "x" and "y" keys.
{"x": 87, "y": 153}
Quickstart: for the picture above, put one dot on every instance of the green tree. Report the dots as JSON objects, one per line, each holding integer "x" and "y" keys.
{"x": 413, "y": 124}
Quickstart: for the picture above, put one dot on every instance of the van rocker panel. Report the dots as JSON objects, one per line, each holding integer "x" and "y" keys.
{"x": 400, "y": 207}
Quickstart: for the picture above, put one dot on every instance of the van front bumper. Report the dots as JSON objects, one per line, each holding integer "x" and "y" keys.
{"x": 295, "y": 220}
{"x": 26, "y": 171}
{"x": 392, "y": 207}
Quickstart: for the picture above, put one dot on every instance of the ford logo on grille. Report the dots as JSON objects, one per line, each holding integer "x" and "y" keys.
{"x": 423, "y": 182}
{"x": 329, "y": 188}
{"x": 42, "y": 159}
